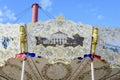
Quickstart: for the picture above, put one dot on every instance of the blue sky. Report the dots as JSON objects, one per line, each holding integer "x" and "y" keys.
{"x": 93, "y": 12}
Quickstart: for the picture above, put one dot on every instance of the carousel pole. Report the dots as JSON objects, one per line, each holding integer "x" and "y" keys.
{"x": 92, "y": 71}
{"x": 23, "y": 33}
{"x": 23, "y": 48}
{"x": 93, "y": 48}
{"x": 23, "y": 69}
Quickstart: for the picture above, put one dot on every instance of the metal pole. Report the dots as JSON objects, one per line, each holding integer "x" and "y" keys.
{"x": 92, "y": 70}
{"x": 23, "y": 69}
{"x": 94, "y": 43}
{"x": 23, "y": 48}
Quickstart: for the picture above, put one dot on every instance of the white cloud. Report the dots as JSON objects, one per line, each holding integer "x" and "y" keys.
{"x": 100, "y": 17}
{"x": 10, "y": 15}
{"x": 6, "y": 15}
{"x": 46, "y": 4}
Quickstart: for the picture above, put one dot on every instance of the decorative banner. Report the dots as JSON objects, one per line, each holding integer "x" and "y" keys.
{"x": 91, "y": 57}
{"x": 59, "y": 40}
{"x": 109, "y": 45}
{"x": 9, "y": 41}
{"x": 27, "y": 54}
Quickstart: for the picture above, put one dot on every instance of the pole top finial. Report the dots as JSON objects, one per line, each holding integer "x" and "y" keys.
{"x": 35, "y": 4}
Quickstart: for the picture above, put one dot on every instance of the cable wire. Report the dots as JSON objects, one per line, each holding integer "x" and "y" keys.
{"x": 3, "y": 77}
{"x": 110, "y": 76}
{"x": 47, "y": 13}
{"x": 75, "y": 70}
{"x": 21, "y": 14}
{"x": 32, "y": 69}
{"x": 37, "y": 69}
{"x": 27, "y": 51}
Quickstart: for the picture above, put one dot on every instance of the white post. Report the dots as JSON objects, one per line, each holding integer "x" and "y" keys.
{"x": 23, "y": 69}
{"x": 92, "y": 70}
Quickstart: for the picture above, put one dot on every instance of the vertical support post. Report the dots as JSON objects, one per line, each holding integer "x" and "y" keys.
{"x": 23, "y": 48}
{"x": 92, "y": 71}
{"x": 35, "y": 12}
{"x": 23, "y": 69}
{"x": 93, "y": 48}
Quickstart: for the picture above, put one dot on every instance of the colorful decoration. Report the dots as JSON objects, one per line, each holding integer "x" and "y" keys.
{"x": 21, "y": 55}
{"x": 27, "y": 54}
{"x": 91, "y": 57}
{"x": 85, "y": 56}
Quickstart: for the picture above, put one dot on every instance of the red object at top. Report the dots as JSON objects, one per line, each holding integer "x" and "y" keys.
{"x": 35, "y": 12}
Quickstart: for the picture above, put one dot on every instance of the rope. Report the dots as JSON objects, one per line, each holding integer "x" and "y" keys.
{"x": 75, "y": 70}
{"x": 47, "y": 13}
{"x": 31, "y": 58}
{"x": 37, "y": 69}
{"x": 110, "y": 76}
{"x": 21, "y": 14}
{"x": 23, "y": 11}
{"x": 3, "y": 77}
{"x": 32, "y": 69}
